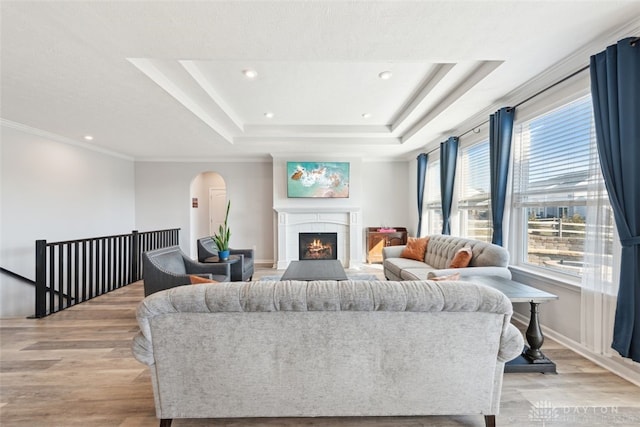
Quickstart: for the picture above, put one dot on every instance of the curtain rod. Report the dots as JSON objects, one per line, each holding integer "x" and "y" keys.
{"x": 633, "y": 42}
{"x": 540, "y": 92}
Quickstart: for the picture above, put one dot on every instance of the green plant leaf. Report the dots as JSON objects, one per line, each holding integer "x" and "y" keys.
{"x": 222, "y": 237}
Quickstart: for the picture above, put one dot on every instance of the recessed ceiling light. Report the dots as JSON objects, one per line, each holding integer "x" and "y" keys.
{"x": 366, "y": 115}
{"x": 268, "y": 115}
{"x": 88, "y": 137}
{"x": 385, "y": 75}
{"x": 250, "y": 74}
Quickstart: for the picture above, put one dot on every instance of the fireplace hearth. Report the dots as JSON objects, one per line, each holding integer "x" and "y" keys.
{"x": 317, "y": 246}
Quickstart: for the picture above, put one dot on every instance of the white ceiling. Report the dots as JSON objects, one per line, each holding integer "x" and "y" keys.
{"x": 163, "y": 80}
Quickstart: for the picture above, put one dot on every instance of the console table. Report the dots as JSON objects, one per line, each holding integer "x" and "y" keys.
{"x": 377, "y": 239}
{"x": 532, "y": 359}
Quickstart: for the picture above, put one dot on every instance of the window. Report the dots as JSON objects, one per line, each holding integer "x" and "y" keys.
{"x": 555, "y": 165}
{"x": 433, "y": 202}
{"x": 474, "y": 200}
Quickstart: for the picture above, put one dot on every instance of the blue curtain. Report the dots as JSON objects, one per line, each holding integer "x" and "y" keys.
{"x": 422, "y": 171}
{"x": 448, "y": 157}
{"x": 500, "y": 131}
{"x": 615, "y": 89}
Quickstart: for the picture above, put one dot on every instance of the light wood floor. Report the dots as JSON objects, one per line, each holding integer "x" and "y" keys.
{"x": 75, "y": 368}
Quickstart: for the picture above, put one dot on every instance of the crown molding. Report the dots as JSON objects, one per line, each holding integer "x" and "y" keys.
{"x": 469, "y": 81}
{"x": 192, "y": 68}
{"x": 209, "y": 160}
{"x": 316, "y": 131}
{"x": 149, "y": 69}
{"x": 569, "y": 65}
{"x": 425, "y": 88}
{"x": 61, "y": 139}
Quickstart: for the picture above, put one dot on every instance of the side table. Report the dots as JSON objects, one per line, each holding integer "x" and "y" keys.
{"x": 531, "y": 359}
{"x": 231, "y": 260}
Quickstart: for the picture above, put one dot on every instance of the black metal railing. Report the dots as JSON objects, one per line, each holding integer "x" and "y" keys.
{"x": 68, "y": 273}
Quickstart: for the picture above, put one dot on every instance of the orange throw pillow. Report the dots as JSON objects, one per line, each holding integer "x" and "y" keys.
{"x": 195, "y": 280}
{"x": 455, "y": 276}
{"x": 416, "y": 247}
{"x": 462, "y": 258}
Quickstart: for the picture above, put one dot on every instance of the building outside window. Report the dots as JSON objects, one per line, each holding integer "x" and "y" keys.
{"x": 555, "y": 165}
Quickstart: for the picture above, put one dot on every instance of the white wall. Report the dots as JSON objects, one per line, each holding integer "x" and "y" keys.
{"x": 54, "y": 191}
{"x": 380, "y": 189}
{"x": 387, "y": 195}
{"x": 163, "y": 200}
{"x": 57, "y": 191}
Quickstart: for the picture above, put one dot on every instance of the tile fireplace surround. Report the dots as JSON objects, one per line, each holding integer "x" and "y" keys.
{"x": 342, "y": 220}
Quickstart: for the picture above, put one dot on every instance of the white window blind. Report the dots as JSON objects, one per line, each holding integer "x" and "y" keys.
{"x": 553, "y": 156}
{"x": 474, "y": 192}
{"x": 432, "y": 196}
{"x": 475, "y": 185}
{"x": 433, "y": 208}
{"x": 555, "y": 172}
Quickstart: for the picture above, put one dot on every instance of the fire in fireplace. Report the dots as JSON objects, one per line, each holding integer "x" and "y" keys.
{"x": 317, "y": 246}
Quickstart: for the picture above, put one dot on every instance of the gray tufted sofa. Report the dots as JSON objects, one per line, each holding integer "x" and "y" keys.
{"x": 326, "y": 348}
{"x": 487, "y": 260}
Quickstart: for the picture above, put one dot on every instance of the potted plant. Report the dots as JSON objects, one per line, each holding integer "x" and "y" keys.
{"x": 221, "y": 238}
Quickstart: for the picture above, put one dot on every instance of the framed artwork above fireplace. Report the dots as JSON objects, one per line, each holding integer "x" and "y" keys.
{"x": 318, "y": 179}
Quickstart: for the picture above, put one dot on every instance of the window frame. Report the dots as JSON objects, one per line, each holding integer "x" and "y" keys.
{"x": 519, "y": 227}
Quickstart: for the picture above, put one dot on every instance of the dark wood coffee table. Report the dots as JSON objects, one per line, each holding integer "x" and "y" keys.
{"x": 321, "y": 269}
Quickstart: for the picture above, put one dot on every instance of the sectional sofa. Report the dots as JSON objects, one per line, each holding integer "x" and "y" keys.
{"x": 487, "y": 259}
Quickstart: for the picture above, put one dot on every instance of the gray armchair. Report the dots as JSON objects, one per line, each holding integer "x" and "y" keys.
{"x": 169, "y": 267}
{"x": 240, "y": 271}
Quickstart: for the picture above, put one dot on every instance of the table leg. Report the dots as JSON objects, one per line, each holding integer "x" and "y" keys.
{"x": 534, "y": 335}
{"x": 532, "y": 359}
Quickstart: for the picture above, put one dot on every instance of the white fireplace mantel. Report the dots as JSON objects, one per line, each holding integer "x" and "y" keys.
{"x": 345, "y": 221}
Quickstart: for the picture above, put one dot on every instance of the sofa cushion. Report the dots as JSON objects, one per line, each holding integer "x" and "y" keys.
{"x": 462, "y": 258}
{"x": 421, "y": 273}
{"x": 442, "y": 249}
{"x": 397, "y": 265}
{"x": 452, "y": 277}
{"x": 415, "y": 249}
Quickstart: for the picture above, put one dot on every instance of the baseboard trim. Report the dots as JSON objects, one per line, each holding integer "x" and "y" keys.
{"x": 629, "y": 373}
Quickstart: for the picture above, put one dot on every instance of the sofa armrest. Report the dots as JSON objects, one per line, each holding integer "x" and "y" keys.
{"x": 511, "y": 344}
{"x": 392, "y": 251}
{"x": 248, "y": 253}
{"x": 142, "y": 349}
{"x": 471, "y": 271}
{"x": 220, "y": 269}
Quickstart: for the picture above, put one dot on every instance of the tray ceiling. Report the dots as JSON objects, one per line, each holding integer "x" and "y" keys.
{"x": 164, "y": 80}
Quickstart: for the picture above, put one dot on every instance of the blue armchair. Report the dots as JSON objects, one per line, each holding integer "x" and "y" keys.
{"x": 240, "y": 271}
{"x": 169, "y": 267}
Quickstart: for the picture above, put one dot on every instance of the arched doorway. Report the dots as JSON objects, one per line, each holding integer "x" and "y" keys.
{"x": 208, "y": 194}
